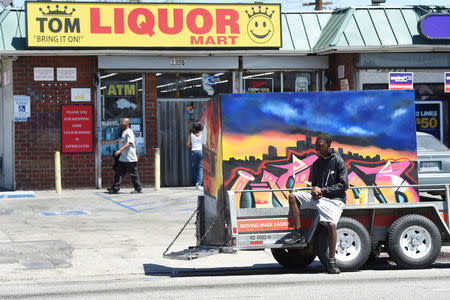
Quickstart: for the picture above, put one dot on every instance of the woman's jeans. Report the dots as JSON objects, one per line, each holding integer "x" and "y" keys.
{"x": 197, "y": 167}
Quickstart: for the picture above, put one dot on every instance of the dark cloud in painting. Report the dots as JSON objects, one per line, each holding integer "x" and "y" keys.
{"x": 380, "y": 118}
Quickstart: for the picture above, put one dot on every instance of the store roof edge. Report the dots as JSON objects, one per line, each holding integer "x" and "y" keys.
{"x": 176, "y": 53}
{"x": 384, "y": 49}
{"x": 323, "y": 51}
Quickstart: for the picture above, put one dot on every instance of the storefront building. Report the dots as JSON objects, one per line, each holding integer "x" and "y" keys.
{"x": 161, "y": 87}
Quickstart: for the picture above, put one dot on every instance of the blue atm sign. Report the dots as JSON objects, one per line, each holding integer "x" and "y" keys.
{"x": 435, "y": 26}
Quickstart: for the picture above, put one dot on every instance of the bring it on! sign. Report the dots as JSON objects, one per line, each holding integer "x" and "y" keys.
{"x": 141, "y": 25}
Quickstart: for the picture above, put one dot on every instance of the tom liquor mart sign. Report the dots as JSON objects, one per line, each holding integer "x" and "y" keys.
{"x": 73, "y": 25}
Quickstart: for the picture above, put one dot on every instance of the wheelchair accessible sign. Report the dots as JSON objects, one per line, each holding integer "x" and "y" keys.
{"x": 22, "y": 110}
{"x": 400, "y": 81}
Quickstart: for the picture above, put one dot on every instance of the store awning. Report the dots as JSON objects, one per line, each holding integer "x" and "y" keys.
{"x": 12, "y": 29}
{"x": 383, "y": 27}
{"x": 302, "y": 30}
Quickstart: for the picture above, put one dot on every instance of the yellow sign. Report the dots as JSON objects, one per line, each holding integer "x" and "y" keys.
{"x": 100, "y": 25}
{"x": 120, "y": 89}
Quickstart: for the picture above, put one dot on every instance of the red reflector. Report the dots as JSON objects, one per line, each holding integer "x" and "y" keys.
{"x": 256, "y": 242}
{"x": 234, "y": 230}
{"x": 233, "y": 241}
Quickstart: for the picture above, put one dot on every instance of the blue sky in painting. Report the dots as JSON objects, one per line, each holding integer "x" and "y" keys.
{"x": 382, "y": 118}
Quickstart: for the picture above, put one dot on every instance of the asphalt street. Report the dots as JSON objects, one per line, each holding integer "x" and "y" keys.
{"x": 49, "y": 243}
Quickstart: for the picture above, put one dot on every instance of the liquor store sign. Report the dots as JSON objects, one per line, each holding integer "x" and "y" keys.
{"x": 140, "y": 25}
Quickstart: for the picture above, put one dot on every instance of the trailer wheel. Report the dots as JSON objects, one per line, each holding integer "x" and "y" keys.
{"x": 352, "y": 248}
{"x": 292, "y": 258}
{"x": 414, "y": 242}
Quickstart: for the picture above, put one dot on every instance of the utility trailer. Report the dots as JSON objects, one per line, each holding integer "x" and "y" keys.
{"x": 411, "y": 233}
{"x": 260, "y": 147}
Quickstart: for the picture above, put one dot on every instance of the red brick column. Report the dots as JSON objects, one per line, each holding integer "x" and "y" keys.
{"x": 335, "y": 60}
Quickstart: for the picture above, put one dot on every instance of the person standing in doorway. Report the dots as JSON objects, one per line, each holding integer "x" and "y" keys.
{"x": 127, "y": 159}
{"x": 195, "y": 143}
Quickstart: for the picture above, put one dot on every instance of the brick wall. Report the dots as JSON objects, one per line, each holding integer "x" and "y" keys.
{"x": 37, "y": 139}
{"x": 335, "y": 60}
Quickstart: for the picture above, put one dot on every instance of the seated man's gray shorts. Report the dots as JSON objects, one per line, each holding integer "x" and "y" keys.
{"x": 330, "y": 210}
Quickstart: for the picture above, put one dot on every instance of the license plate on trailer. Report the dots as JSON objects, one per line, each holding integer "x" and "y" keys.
{"x": 430, "y": 166}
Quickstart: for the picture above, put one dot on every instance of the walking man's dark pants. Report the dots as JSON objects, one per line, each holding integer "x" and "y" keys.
{"x": 122, "y": 169}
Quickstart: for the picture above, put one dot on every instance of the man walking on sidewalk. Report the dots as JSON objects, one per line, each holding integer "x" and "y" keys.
{"x": 127, "y": 159}
{"x": 329, "y": 182}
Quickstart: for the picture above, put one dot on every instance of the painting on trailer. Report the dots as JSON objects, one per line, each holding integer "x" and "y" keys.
{"x": 266, "y": 141}
{"x": 212, "y": 154}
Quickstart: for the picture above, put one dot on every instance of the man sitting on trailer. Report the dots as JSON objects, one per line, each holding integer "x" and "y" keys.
{"x": 329, "y": 182}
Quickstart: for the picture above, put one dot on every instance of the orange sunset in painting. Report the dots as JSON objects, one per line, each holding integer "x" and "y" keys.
{"x": 240, "y": 146}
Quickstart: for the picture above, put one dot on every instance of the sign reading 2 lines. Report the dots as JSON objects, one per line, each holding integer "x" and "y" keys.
{"x": 131, "y": 25}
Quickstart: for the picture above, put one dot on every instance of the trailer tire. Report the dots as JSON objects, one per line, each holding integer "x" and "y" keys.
{"x": 413, "y": 242}
{"x": 352, "y": 248}
{"x": 293, "y": 258}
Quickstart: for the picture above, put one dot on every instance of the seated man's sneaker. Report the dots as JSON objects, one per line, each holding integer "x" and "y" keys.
{"x": 332, "y": 267}
{"x": 296, "y": 237}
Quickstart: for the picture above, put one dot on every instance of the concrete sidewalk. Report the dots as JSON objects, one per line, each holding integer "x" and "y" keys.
{"x": 87, "y": 233}
{"x": 83, "y": 233}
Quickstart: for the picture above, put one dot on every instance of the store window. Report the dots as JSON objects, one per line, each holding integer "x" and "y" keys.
{"x": 192, "y": 85}
{"x": 299, "y": 82}
{"x": 261, "y": 82}
{"x": 270, "y": 82}
{"x": 121, "y": 97}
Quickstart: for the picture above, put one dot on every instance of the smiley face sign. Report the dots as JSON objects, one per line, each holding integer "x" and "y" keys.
{"x": 260, "y": 27}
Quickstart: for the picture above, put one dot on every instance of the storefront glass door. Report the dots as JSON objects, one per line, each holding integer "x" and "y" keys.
{"x": 180, "y": 98}
{"x": 121, "y": 97}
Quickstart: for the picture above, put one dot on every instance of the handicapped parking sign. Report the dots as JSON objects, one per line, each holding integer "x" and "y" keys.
{"x": 22, "y": 109}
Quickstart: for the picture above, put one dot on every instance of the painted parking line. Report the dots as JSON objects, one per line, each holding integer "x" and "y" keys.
{"x": 130, "y": 200}
{"x": 150, "y": 206}
{"x": 163, "y": 206}
{"x": 17, "y": 194}
{"x": 153, "y": 202}
{"x": 64, "y": 213}
{"x": 174, "y": 210}
{"x": 116, "y": 202}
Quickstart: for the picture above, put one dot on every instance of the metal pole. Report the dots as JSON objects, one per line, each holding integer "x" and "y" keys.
{"x": 98, "y": 154}
{"x": 58, "y": 172}
{"x": 157, "y": 170}
{"x": 318, "y": 5}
